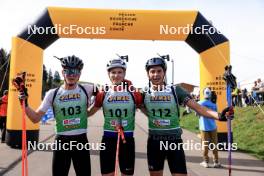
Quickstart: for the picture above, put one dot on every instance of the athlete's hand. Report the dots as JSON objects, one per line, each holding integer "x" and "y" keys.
{"x": 19, "y": 83}
{"x": 119, "y": 128}
{"x": 227, "y": 113}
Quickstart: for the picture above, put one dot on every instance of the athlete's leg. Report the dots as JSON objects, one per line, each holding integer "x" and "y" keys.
{"x": 156, "y": 156}
{"x": 61, "y": 161}
{"x": 107, "y": 156}
{"x": 156, "y": 173}
{"x": 127, "y": 157}
{"x": 81, "y": 158}
{"x": 176, "y": 158}
{"x": 179, "y": 174}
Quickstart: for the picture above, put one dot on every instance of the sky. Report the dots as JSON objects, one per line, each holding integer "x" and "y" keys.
{"x": 242, "y": 22}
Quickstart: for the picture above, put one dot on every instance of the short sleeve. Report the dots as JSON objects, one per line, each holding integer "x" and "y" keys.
{"x": 47, "y": 101}
{"x": 183, "y": 95}
{"x": 138, "y": 99}
{"x": 99, "y": 99}
{"x": 91, "y": 90}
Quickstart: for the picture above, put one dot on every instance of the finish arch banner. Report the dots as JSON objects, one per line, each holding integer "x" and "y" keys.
{"x": 57, "y": 22}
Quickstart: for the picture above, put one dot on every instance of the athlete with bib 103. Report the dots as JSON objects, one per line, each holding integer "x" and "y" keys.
{"x": 70, "y": 103}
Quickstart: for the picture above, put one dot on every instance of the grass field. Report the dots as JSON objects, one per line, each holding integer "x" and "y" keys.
{"x": 248, "y": 129}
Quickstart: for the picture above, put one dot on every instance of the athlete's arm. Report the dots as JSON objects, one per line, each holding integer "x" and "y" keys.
{"x": 185, "y": 99}
{"x": 91, "y": 91}
{"x": 98, "y": 103}
{"x": 201, "y": 110}
{"x": 34, "y": 116}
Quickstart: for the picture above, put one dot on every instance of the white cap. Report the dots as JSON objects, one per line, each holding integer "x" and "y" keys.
{"x": 207, "y": 93}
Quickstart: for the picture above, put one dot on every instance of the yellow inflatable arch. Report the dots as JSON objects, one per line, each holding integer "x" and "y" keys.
{"x": 56, "y": 22}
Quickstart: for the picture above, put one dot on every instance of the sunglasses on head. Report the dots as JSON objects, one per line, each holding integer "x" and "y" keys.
{"x": 71, "y": 71}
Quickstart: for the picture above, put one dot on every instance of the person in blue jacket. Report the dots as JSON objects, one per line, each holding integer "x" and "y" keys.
{"x": 208, "y": 129}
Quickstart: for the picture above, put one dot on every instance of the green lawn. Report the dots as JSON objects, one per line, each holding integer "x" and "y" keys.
{"x": 190, "y": 122}
{"x": 248, "y": 129}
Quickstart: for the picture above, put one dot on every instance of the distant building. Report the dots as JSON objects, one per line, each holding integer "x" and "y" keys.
{"x": 188, "y": 87}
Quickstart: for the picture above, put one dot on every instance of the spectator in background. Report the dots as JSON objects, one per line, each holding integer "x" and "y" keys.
{"x": 260, "y": 84}
{"x": 3, "y": 112}
{"x": 245, "y": 97}
{"x": 255, "y": 87}
{"x": 239, "y": 97}
{"x": 235, "y": 97}
{"x": 260, "y": 92}
{"x": 208, "y": 129}
{"x": 254, "y": 92}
